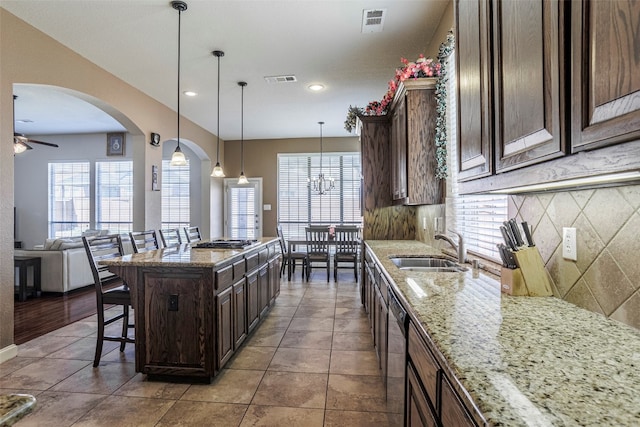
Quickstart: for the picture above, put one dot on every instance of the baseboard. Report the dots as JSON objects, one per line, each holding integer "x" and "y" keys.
{"x": 8, "y": 352}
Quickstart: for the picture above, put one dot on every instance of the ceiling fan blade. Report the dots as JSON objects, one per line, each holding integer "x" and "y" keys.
{"x": 43, "y": 143}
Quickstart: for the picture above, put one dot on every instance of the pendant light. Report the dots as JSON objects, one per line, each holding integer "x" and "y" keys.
{"x": 178, "y": 159}
{"x": 320, "y": 184}
{"x": 242, "y": 179}
{"x": 217, "y": 170}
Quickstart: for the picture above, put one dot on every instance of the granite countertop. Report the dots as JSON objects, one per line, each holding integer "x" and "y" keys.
{"x": 184, "y": 256}
{"x": 15, "y": 406}
{"x": 524, "y": 361}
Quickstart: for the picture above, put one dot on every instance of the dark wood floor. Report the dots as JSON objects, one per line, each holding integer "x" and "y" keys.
{"x": 40, "y": 315}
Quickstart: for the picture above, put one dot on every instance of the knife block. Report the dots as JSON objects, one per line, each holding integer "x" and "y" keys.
{"x": 535, "y": 279}
{"x": 512, "y": 282}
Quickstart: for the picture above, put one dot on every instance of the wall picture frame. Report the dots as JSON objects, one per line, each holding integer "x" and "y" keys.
{"x": 115, "y": 144}
{"x": 154, "y": 178}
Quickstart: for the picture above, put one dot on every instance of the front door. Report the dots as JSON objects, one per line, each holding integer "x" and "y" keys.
{"x": 242, "y": 213}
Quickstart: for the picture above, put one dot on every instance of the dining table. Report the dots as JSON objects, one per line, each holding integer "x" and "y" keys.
{"x": 295, "y": 241}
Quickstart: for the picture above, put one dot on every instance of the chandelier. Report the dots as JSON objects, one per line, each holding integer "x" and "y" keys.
{"x": 320, "y": 184}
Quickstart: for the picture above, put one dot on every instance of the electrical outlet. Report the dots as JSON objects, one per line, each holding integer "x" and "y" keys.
{"x": 569, "y": 248}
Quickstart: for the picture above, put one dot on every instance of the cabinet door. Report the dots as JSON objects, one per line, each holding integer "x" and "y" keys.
{"x": 225, "y": 330}
{"x": 473, "y": 62}
{"x": 263, "y": 290}
{"x": 528, "y": 67}
{"x": 399, "y": 151}
{"x": 605, "y": 78}
{"x": 381, "y": 341}
{"x": 253, "y": 311}
{"x": 417, "y": 410}
{"x": 274, "y": 278}
{"x": 452, "y": 412}
{"x": 239, "y": 313}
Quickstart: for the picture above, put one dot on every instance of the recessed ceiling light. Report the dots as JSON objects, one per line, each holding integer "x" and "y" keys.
{"x": 190, "y": 93}
{"x": 316, "y": 87}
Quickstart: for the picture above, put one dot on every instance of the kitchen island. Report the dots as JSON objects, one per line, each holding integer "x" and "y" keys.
{"x": 493, "y": 359}
{"x": 193, "y": 308}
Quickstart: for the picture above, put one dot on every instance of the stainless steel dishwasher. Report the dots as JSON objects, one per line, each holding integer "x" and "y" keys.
{"x": 396, "y": 359}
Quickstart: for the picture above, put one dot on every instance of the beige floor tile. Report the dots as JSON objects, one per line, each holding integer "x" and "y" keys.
{"x": 354, "y": 362}
{"x": 265, "y": 337}
{"x": 286, "y": 300}
{"x": 292, "y": 389}
{"x": 81, "y": 328}
{"x": 318, "y": 302}
{"x": 348, "y": 301}
{"x": 283, "y": 310}
{"x": 14, "y": 364}
{"x": 307, "y": 339}
{"x": 250, "y": 357}
{"x": 357, "y": 419}
{"x": 44, "y": 345}
{"x": 274, "y": 322}
{"x": 271, "y": 416}
{"x": 42, "y": 374}
{"x": 57, "y": 409}
{"x": 321, "y": 292}
{"x": 311, "y": 324}
{"x": 105, "y": 379}
{"x": 139, "y": 386}
{"x": 115, "y": 355}
{"x": 83, "y": 349}
{"x": 359, "y": 325}
{"x": 230, "y": 386}
{"x": 356, "y": 393}
{"x": 123, "y": 411}
{"x": 300, "y": 360}
{"x": 351, "y": 313}
{"x": 203, "y": 414}
{"x": 315, "y": 311}
{"x": 352, "y": 341}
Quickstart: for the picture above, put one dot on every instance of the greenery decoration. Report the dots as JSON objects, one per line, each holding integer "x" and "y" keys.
{"x": 352, "y": 115}
{"x": 446, "y": 48}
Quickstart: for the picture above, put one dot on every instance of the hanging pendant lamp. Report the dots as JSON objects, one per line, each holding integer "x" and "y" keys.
{"x": 178, "y": 158}
{"x": 217, "y": 170}
{"x": 242, "y": 179}
{"x": 320, "y": 184}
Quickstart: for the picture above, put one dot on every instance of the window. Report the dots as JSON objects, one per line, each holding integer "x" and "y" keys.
{"x": 477, "y": 217}
{"x": 114, "y": 196}
{"x": 69, "y": 199}
{"x": 176, "y": 195}
{"x": 242, "y": 208}
{"x": 299, "y": 206}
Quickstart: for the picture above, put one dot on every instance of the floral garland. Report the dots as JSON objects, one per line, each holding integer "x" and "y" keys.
{"x": 422, "y": 67}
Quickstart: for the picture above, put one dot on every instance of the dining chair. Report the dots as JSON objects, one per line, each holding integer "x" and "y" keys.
{"x": 171, "y": 237}
{"x": 292, "y": 257}
{"x": 98, "y": 249}
{"x": 193, "y": 234}
{"x": 144, "y": 241}
{"x": 347, "y": 243}
{"x": 317, "y": 247}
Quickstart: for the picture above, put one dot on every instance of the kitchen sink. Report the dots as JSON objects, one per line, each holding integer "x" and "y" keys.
{"x": 428, "y": 264}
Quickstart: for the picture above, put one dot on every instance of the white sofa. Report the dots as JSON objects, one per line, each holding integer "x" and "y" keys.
{"x": 64, "y": 264}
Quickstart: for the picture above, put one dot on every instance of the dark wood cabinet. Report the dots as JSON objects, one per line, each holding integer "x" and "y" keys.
{"x": 274, "y": 278}
{"x": 413, "y": 150}
{"x": 605, "y": 78}
{"x": 225, "y": 327}
{"x": 453, "y": 413}
{"x": 381, "y": 324}
{"x": 253, "y": 309}
{"x": 528, "y": 63}
{"x": 418, "y": 413}
{"x": 263, "y": 290}
{"x": 474, "y": 99}
{"x": 239, "y": 313}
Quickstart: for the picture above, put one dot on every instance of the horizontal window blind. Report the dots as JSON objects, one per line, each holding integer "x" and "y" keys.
{"x": 69, "y": 199}
{"x": 114, "y": 196}
{"x": 176, "y": 195}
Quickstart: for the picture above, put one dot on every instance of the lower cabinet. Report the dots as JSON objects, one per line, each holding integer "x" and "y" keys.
{"x": 382, "y": 319}
{"x": 263, "y": 290}
{"x": 239, "y": 313}
{"x": 418, "y": 412}
{"x": 253, "y": 309}
{"x": 225, "y": 330}
{"x": 453, "y": 412}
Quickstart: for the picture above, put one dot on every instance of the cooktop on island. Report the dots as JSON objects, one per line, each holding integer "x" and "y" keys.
{"x": 226, "y": 244}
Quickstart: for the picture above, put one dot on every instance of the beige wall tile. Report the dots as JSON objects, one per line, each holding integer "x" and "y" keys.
{"x": 607, "y": 283}
{"x": 629, "y": 311}
{"x": 581, "y": 296}
{"x": 607, "y": 211}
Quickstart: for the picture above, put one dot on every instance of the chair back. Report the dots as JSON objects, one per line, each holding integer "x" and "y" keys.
{"x": 193, "y": 234}
{"x": 171, "y": 237}
{"x": 99, "y": 249}
{"x": 317, "y": 238}
{"x": 283, "y": 243}
{"x": 347, "y": 239}
{"x": 144, "y": 241}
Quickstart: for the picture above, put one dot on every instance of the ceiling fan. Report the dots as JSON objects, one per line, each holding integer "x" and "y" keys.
{"x": 21, "y": 142}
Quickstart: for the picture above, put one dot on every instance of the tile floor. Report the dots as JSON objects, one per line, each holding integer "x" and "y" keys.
{"x": 311, "y": 362}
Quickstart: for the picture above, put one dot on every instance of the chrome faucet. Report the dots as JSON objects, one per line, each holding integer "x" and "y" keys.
{"x": 460, "y": 248}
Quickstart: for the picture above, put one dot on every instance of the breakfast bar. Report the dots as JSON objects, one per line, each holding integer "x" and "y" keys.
{"x": 194, "y": 307}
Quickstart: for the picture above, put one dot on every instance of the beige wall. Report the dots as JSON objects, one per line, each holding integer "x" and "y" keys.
{"x": 261, "y": 160}
{"x": 440, "y": 33}
{"x": 28, "y": 56}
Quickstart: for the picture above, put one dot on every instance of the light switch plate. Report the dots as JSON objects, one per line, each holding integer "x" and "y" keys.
{"x": 569, "y": 249}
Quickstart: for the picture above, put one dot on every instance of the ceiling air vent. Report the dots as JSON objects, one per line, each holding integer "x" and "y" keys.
{"x": 281, "y": 79}
{"x": 373, "y": 20}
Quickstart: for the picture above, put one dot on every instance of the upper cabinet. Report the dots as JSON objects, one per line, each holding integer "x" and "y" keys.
{"x": 413, "y": 151}
{"x": 528, "y": 47}
{"x": 473, "y": 60}
{"x": 605, "y": 78}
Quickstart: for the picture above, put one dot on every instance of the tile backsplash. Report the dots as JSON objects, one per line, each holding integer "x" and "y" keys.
{"x": 606, "y": 277}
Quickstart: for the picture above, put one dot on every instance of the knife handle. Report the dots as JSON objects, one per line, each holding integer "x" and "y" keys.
{"x": 506, "y": 235}
{"x": 516, "y": 232}
{"x": 527, "y": 233}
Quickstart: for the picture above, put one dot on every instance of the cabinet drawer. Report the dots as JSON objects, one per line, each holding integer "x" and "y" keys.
{"x": 238, "y": 270}
{"x": 252, "y": 262}
{"x": 224, "y": 277}
{"x": 426, "y": 366}
{"x": 263, "y": 256}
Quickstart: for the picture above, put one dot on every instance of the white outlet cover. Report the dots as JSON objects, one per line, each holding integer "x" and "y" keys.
{"x": 569, "y": 248}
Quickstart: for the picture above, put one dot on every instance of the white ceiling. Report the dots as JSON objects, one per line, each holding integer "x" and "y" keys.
{"x": 318, "y": 41}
